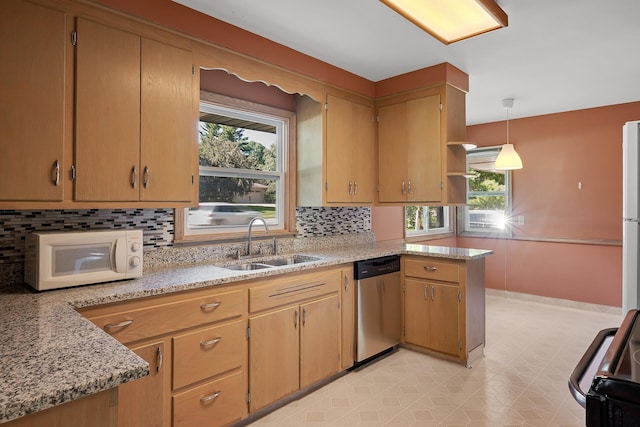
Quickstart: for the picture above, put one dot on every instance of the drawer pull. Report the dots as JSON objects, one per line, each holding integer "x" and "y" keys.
{"x": 211, "y": 306}
{"x": 430, "y": 268}
{"x": 306, "y": 287}
{"x": 210, "y": 343}
{"x": 211, "y": 397}
{"x": 122, "y": 324}
{"x": 158, "y": 359}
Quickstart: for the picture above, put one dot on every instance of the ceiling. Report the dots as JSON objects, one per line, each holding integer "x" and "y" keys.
{"x": 555, "y": 55}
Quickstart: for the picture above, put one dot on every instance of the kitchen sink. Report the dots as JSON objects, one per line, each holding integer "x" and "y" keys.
{"x": 271, "y": 263}
{"x": 294, "y": 259}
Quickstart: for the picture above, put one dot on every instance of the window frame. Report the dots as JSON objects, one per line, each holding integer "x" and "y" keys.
{"x": 286, "y": 157}
{"x": 463, "y": 211}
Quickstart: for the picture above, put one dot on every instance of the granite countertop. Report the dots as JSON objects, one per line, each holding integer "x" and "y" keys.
{"x": 51, "y": 354}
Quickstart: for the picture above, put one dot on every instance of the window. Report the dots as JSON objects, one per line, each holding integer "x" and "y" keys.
{"x": 487, "y": 195}
{"x": 425, "y": 220}
{"x": 243, "y": 166}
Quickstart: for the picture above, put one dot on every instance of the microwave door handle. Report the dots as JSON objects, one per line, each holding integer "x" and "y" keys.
{"x": 121, "y": 255}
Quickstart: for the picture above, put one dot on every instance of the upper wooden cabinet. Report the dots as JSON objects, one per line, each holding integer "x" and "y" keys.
{"x": 416, "y": 161}
{"x": 32, "y": 90}
{"x": 409, "y": 167}
{"x": 100, "y": 115}
{"x": 349, "y": 151}
{"x": 335, "y": 151}
{"x": 134, "y": 117}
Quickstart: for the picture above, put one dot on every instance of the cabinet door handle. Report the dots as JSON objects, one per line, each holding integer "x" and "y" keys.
{"x": 211, "y": 397}
{"x": 409, "y": 187}
{"x": 146, "y": 177}
{"x": 296, "y": 316}
{"x": 430, "y": 268}
{"x": 210, "y": 306}
{"x": 159, "y": 359}
{"x": 426, "y": 289}
{"x": 433, "y": 291}
{"x": 346, "y": 282}
{"x": 402, "y": 187}
{"x": 355, "y": 187}
{"x": 122, "y": 324}
{"x": 134, "y": 177}
{"x": 304, "y": 316}
{"x": 56, "y": 173}
{"x": 210, "y": 343}
{"x": 350, "y": 187}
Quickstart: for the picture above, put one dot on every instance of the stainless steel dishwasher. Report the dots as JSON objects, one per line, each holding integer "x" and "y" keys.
{"x": 378, "y": 316}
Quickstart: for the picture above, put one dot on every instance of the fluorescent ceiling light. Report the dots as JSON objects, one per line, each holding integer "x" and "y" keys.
{"x": 452, "y": 20}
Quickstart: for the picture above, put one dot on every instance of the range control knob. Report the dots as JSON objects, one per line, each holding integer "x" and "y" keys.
{"x": 134, "y": 261}
{"x": 135, "y": 246}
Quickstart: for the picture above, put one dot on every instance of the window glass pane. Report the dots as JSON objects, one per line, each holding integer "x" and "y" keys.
{"x": 241, "y": 170}
{"x": 436, "y": 216}
{"x": 426, "y": 220}
{"x": 487, "y": 194}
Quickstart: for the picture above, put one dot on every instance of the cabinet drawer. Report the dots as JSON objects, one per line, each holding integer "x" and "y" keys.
{"x": 132, "y": 325}
{"x": 283, "y": 291}
{"x": 202, "y": 354}
{"x": 428, "y": 268}
{"x": 217, "y": 403}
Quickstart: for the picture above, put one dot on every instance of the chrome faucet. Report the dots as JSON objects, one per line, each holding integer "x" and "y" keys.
{"x": 266, "y": 228}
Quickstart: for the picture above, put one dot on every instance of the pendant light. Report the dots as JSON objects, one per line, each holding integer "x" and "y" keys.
{"x": 508, "y": 159}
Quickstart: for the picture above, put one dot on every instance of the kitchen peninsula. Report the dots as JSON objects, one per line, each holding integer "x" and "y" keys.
{"x": 51, "y": 354}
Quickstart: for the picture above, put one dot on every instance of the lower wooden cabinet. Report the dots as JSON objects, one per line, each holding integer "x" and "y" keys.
{"x": 144, "y": 402}
{"x": 292, "y": 348}
{"x": 217, "y": 354}
{"x": 319, "y": 340}
{"x": 444, "y": 305}
{"x": 274, "y": 361}
{"x": 347, "y": 315}
{"x": 214, "y": 404}
{"x": 431, "y": 316}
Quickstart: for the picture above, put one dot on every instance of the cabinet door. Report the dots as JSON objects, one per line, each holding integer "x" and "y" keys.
{"x": 107, "y": 151}
{"x": 31, "y": 100}
{"x": 362, "y": 154}
{"x": 423, "y": 139}
{"x": 340, "y": 123}
{"x": 416, "y": 312}
{"x": 142, "y": 402}
{"x": 347, "y": 312}
{"x": 168, "y": 124}
{"x": 392, "y": 153}
{"x": 274, "y": 364}
{"x": 319, "y": 340}
{"x": 444, "y": 319}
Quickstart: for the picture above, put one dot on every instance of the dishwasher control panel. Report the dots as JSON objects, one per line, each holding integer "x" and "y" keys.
{"x": 376, "y": 267}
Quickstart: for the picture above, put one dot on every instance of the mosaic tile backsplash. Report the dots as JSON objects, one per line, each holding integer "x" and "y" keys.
{"x": 157, "y": 226}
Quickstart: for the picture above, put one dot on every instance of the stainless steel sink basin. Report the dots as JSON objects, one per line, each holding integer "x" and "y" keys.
{"x": 270, "y": 263}
{"x": 294, "y": 259}
{"x": 247, "y": 266}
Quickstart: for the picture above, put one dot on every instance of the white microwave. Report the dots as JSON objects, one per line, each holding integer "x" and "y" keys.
{"x": 56, "y": 260}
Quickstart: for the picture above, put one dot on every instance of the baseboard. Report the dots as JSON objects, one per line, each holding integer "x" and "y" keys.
{"x": 555, "y": 301}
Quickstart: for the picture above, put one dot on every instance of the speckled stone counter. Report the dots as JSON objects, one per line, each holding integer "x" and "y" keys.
{"x": 50, "y": 354}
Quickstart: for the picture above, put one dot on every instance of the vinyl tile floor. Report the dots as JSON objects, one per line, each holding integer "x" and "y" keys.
{"x": 531, "y": 349}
